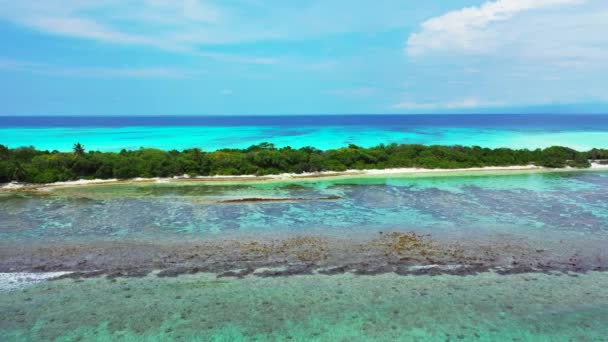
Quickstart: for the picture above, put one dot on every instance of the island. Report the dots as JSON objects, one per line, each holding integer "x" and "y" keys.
{"x": 27, "y": 164}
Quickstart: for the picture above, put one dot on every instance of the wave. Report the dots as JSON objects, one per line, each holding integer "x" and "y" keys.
{"x": 18, "y": 281}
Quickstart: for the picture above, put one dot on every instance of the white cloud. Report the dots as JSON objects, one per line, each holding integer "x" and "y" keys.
{"x": 240, "y": 59}
{"x": 143, "y": 73}
{"x": 466, "y": 103}
{"x": 471, "y": 29}
{"x": 84, "y": 28}
{"x": 180, "y": 26}
{"x": 98, "y": 72}
{"x": 514, "y": 52}
{"x": 186, "y": 25}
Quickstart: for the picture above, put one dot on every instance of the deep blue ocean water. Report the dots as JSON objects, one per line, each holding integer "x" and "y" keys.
{"x": 515, "y": 121}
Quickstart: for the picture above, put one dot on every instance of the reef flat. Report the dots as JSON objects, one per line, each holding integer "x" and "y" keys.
{"x": 394, "y": 252}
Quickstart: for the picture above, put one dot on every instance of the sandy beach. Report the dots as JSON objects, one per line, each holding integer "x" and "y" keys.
{"x": 393, "y": 172}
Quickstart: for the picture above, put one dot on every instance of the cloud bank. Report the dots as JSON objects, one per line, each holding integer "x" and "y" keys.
{"x": 182, "y": 25}
{"x": 472, "y": 29}
{"x": 512, "y": 52}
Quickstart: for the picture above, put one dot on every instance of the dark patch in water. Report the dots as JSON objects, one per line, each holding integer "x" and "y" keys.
{"x": 335, "y": 270}
{"x": 237, "y": 274}
{"x": 297, "y": 199}
{"x": 177, "y": 271}
{"x": 374, "y": 270}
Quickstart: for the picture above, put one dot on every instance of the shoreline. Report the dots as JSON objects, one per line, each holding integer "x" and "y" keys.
{"x": 422, "y": 172}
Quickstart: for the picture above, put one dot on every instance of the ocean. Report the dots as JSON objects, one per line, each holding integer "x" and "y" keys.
{"x": 443, "y": 256}
{"x": 324, "y": 131}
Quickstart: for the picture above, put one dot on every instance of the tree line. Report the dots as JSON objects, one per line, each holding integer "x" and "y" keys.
{"x": 27, "y": 164}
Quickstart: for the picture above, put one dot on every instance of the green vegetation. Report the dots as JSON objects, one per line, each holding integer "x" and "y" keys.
{"x": 26, "y": 164}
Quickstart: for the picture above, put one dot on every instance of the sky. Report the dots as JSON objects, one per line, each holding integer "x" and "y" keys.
{"x": 229, "y": 57}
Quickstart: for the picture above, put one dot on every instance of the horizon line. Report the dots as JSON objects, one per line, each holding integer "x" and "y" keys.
{"x": 293, "y": 115}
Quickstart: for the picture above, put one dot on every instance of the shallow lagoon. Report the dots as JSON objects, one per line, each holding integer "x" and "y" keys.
{"x": 491, "y": 202}
{"x": 483, "y": 256}
{"x": 486, "y": 307}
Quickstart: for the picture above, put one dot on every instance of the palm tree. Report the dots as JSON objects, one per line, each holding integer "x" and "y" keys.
{"x": 4, "y": 152}
{"x": 79, "y": 149}
{"x": 19, "y": 173}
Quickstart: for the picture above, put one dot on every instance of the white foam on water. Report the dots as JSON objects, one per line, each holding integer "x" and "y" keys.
{"x": 18, "y": 281}
{"x": 598, "y": 166}
{"x": 440, "y": 267}
{"x": 85, "y": 182}
{"x": 12, "y": 186}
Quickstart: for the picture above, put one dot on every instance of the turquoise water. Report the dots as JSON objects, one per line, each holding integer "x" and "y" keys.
{"x": 210, "y": 133}
{"x": 486, "y": 307}
{"x": 212, "y": 138}
{"x": 491, "y": 256}
{"x": 488, "y": 256}
{"x": 525, "y": 203}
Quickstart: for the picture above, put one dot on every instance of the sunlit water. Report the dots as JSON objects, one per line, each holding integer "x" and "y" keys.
{"x": 562, "y": 215}
{"x": 525, "y": 202}
{"x": 487, "y": 307}
{"x": 582, "y": 132}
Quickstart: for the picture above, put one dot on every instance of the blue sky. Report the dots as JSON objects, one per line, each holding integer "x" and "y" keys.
{"x": 187, "y": 57}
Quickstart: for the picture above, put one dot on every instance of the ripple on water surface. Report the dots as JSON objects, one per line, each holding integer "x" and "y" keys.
{"x": 553, "y": 221}
{"x": 439, "y": 204}
{"x": 487, "y": 307}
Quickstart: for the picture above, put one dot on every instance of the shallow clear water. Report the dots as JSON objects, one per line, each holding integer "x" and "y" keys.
{"x": 486, "y": 307}
{"x": 524, "y": 203}
{"x": 494, "y": 221}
